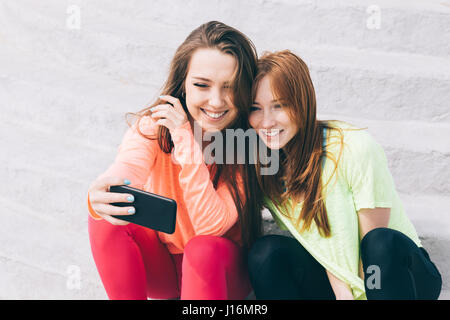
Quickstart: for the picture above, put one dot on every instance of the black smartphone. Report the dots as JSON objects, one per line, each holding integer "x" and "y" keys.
{"x": 152, "y": 211}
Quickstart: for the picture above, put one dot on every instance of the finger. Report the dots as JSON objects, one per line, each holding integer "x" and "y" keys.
{"x": 174, "y": 101}
{"x": 115, "y": 221}
{"x": 168, "y": 114}
{"x": 161, "y": 114}
{"x": 111, "y": 197}
{"x": 160, "y": 107}
{"x": 110, "y": 210}
{"x": 106, "y": 182}
{"x": 164, "y": 122}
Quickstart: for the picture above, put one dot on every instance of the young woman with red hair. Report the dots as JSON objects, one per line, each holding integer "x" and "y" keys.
{"x": 336, "y": 196}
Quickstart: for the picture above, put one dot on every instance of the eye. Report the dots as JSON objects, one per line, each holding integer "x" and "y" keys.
{"x": 201, "y": 85}
{"x": 278, "y": 106}
{"x": 254, "y": 108}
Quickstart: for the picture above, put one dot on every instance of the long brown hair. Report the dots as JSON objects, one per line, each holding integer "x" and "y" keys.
{"x": 217, "y": 35}
{"x": 300, "y": 174}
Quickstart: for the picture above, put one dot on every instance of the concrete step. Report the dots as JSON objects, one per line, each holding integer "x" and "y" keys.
{"x": 68, "y": 100}
{"x": 418, "y": 152}
{"x": 43, "y": 259}
{"x": 398, "y": 78}
{"x": 49, "y": 174}
{"x": 445, "y": 295}
{"x": 70, "y": 94}
{"x": 122, "y": 54}
{"x": 377, "y": 85}
{"x": 404, "y": 26}
{"x": 415, "y": 136}
{"x": 352, "y": 70}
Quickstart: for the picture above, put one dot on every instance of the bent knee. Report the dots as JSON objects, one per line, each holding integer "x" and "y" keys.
{"x": 265, "y": 247}
{"x": 206, "y": 246}
{"x": 381, "y": 243}
{"x": 104, "y": 235}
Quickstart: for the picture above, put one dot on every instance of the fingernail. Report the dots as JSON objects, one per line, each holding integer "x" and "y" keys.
{"x": 130, "y": 199}
{"x": 126, "y": 181}
{"x": 131, "y": 210}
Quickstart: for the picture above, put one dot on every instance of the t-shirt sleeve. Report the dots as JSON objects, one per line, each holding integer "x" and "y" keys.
{"x": 135, "y": 157}
{"x": 365, "y": 168}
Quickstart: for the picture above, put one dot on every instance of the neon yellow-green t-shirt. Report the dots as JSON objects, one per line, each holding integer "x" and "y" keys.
{"x": 362, "y": 180}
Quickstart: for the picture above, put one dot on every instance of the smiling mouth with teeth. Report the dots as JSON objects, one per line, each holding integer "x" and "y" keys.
{"x": 214, "y": 115}
{"x": 271, "y": 133}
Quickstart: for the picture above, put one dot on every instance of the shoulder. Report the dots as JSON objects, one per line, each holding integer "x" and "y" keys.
{"x": 146, "y": 136}
{"x": 354, "y": 142}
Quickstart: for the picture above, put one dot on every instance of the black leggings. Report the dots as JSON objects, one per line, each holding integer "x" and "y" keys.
{"x": 280, "y": 268}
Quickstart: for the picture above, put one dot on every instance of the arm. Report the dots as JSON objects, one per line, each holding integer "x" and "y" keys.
{"x": 370, "y": 219}
{"x": 211, "y": 211}
{"x": 341, "y": 290}
{"x": 134, "y": 160}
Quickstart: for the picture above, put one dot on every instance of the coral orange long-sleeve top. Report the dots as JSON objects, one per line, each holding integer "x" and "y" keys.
{"x": 182, "y": 176}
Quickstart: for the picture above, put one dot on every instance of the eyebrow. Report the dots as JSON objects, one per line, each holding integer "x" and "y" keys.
{"x": 273, "y": 101}
{"x": 202, "y": 79}
{"x": 208, "y": 80}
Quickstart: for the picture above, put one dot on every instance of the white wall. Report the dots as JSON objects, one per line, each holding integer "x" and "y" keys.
{"x": 64, "y": 93}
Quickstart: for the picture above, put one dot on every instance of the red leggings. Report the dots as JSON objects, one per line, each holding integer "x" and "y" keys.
{"x": 133, "y": 264}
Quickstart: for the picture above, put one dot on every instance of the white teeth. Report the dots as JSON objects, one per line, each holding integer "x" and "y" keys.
{"x": 214, "y": 115}
{"x": 270, "y": 133}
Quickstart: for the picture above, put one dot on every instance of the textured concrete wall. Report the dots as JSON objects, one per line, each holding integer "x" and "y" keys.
{"x": 69, "y": 70}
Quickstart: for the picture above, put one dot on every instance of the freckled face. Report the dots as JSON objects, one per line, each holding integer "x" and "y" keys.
{"x": 208, "y": 92}
{"x": 270, "y": 118}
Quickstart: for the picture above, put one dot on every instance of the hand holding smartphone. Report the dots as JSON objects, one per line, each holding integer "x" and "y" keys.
{"x": 152, "y": 211}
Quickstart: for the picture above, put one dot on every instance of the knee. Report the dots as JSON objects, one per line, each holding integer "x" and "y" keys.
{"x": 263, "y": 249}
{"x": 104, "y": 235}
{"x": 380, "y": 243}
{"x": 204, "y": 247}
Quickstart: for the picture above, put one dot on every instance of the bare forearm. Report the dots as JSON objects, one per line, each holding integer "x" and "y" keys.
{"x": 341, "y": 290}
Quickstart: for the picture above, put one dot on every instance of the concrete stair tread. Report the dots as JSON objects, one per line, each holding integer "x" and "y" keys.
{"x": 415, "y": 136}
{"x": 373, "y": 61}
{"x": 58, "y": 249}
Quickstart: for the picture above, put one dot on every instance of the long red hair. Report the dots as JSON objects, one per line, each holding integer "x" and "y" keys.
{"x": 300, "y": 174}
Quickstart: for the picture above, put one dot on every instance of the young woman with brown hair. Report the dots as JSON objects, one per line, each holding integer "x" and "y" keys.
{"x": 336, "y": 196}
{"x": 209, "y": 85}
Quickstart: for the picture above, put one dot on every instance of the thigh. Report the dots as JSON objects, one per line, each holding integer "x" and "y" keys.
{"x": 118, "y": 260}
{"x": 214, "y": 268}
{"x": 132, "y": 262}
{"x": 162, "y": 275}
{"x": 281, "y": 268}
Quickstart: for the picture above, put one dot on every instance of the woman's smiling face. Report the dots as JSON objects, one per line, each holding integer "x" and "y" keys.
{"x": 208, "y": 93}
{"x": 270, "y": 118}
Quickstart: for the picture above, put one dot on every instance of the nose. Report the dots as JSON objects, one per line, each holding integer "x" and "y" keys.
{"x": 268, "y": 120}
{"x": 217, "y": 98}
